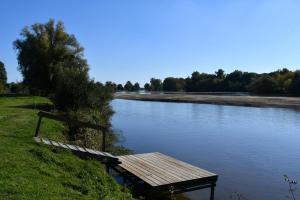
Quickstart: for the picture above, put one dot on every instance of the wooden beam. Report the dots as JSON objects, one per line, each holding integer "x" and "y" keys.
{"x": 71, "y": 121}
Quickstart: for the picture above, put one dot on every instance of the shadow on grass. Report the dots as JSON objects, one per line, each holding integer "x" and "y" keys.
{"x": 37, "y": 106}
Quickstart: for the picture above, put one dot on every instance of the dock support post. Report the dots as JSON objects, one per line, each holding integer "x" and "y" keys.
{"x": 38, "y": 127}
{"x": 212, "y": 191}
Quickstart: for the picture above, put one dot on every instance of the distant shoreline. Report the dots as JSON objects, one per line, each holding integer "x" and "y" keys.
{"x": 244, "y": 100}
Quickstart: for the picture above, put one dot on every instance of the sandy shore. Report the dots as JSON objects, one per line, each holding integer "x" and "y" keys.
{"x": 256, "y": 101}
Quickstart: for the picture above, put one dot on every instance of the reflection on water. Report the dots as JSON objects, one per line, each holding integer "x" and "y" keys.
{"x": 250, "y": 148}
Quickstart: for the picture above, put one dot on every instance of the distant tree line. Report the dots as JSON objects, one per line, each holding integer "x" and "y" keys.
{"x": 280, "y": 82}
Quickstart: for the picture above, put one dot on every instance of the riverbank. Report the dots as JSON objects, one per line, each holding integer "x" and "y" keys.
{"x": 34, "y": 171}
{"x": 246, "y": 100}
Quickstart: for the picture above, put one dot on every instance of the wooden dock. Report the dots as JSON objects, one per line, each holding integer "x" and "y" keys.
{"x": 154, "y": 171}
{"x": 164, "y": 173}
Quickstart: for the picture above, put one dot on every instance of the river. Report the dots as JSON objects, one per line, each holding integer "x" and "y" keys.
{"x": 249, "y": 148}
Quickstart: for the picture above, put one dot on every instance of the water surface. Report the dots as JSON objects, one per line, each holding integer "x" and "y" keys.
{"x": 250, "y": 148}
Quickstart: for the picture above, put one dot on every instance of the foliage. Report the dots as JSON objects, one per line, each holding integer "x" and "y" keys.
{"x": 82, "y": 99}
{"x": 34, "y": 171}
{"x": 265, "y": 85}
{"x": 136, "y": 87}
{"x": 43, "y": 51}
{"x": 52, "y": 63}
{"x": 128, "y": 86}
{"x": 294, "y": 87}
{"x": 120, "y": 87}
{"x": 283, "y": 81}
{"x": 173, "y": 84}
{"x": 156, "y": 84}
{"x": 16, "y": 87}
{"x": 111, "y": 86}
{"x": 147, "y": 86}
{"x": 3, "y": 77}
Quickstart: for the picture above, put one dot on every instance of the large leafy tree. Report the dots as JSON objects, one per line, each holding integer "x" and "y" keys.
{"x": 43, "y": 51}
{"x": 128, "y": 86}
{"x": 3, "y": 77}
{"x": 156, "y": 84}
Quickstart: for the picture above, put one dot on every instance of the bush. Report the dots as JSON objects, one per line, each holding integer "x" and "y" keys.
{"x": 82, "y": 99}
{"x": 264, "y": 85}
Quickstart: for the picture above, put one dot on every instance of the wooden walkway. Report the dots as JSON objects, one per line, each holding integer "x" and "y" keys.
{"x": 85, "y": 152}
{"x": 155, "y": 171}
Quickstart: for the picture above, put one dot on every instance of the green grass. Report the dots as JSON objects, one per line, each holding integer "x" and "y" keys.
{"x": 34, "y": 171}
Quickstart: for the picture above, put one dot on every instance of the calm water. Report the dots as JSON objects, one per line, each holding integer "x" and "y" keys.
{"x": 250, "y": 148}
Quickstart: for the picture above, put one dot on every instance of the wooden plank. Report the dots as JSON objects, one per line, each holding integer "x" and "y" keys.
{"x": 147, "y": 178}
{"x": 54, "y": 143}
{"x": 170, "y": 169}
{"x": 182, "y": 169}
{"x": 63, "y": 145}
{"x": 140, "y": 164}
{"x": 46, "y": 141}
{"x": 133, "y": 167}
{"x": 190, "y": 167}
{"x": 71, "y": 121}
{"x": 80, "y": 149}
{"x": 144, "y": 175}
{"x": 72, "y": 147}
{"x": 37, "y": 139}
{"x": 160, "y": 169}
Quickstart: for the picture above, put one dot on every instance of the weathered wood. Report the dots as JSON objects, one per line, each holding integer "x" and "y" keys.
{"x": 71, "y": 121}
{"x": 161, "y": 171}
{"x": 103, "y": 129}
{"x": 104, "y": 156}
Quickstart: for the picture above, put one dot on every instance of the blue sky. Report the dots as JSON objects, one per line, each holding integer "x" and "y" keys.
{"x": 139, "y": 39}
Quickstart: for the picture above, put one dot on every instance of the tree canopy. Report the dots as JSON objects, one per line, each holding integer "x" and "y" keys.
{"x": 128, "y": 86}
{"x": 156, "y": 84}
{"x": 52, "y": 64}
{"x": 43, "y": 51}
{"x": 3, "y": 77}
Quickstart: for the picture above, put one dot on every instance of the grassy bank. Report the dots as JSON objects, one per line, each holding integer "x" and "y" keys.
{"x": 34, "y": 171}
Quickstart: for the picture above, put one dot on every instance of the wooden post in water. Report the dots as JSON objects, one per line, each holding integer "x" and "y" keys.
{"x": 212, "y": 191}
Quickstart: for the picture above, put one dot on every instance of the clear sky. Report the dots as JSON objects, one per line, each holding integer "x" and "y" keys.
{"x": 139, "y": 39}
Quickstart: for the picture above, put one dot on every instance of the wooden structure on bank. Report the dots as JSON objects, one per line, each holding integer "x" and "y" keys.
{"x": 155, "y": 171}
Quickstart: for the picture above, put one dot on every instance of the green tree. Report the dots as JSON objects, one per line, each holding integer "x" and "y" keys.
{"x": 136, "y": 87}
{"x": 147, "y": 87}
{"x": 220, "y": 74}
{"x": 43, "y": 51}
{"x": 265, "y": 85}
{"x": 173, "y": 84}
{"x": 3, "y": 77}
{"x": 111, "y": 86}
{"x": 128, "y": 86}
{"x": 156, "y": 84}
{"x": 294, "y": 88}
{"x": 120, "y": 87}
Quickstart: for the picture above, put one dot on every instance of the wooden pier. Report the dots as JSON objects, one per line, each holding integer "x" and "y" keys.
{"x": 155, "y": 172}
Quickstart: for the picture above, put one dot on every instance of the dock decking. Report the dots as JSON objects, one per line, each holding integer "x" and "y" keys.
{"x": 164, "y": 173}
